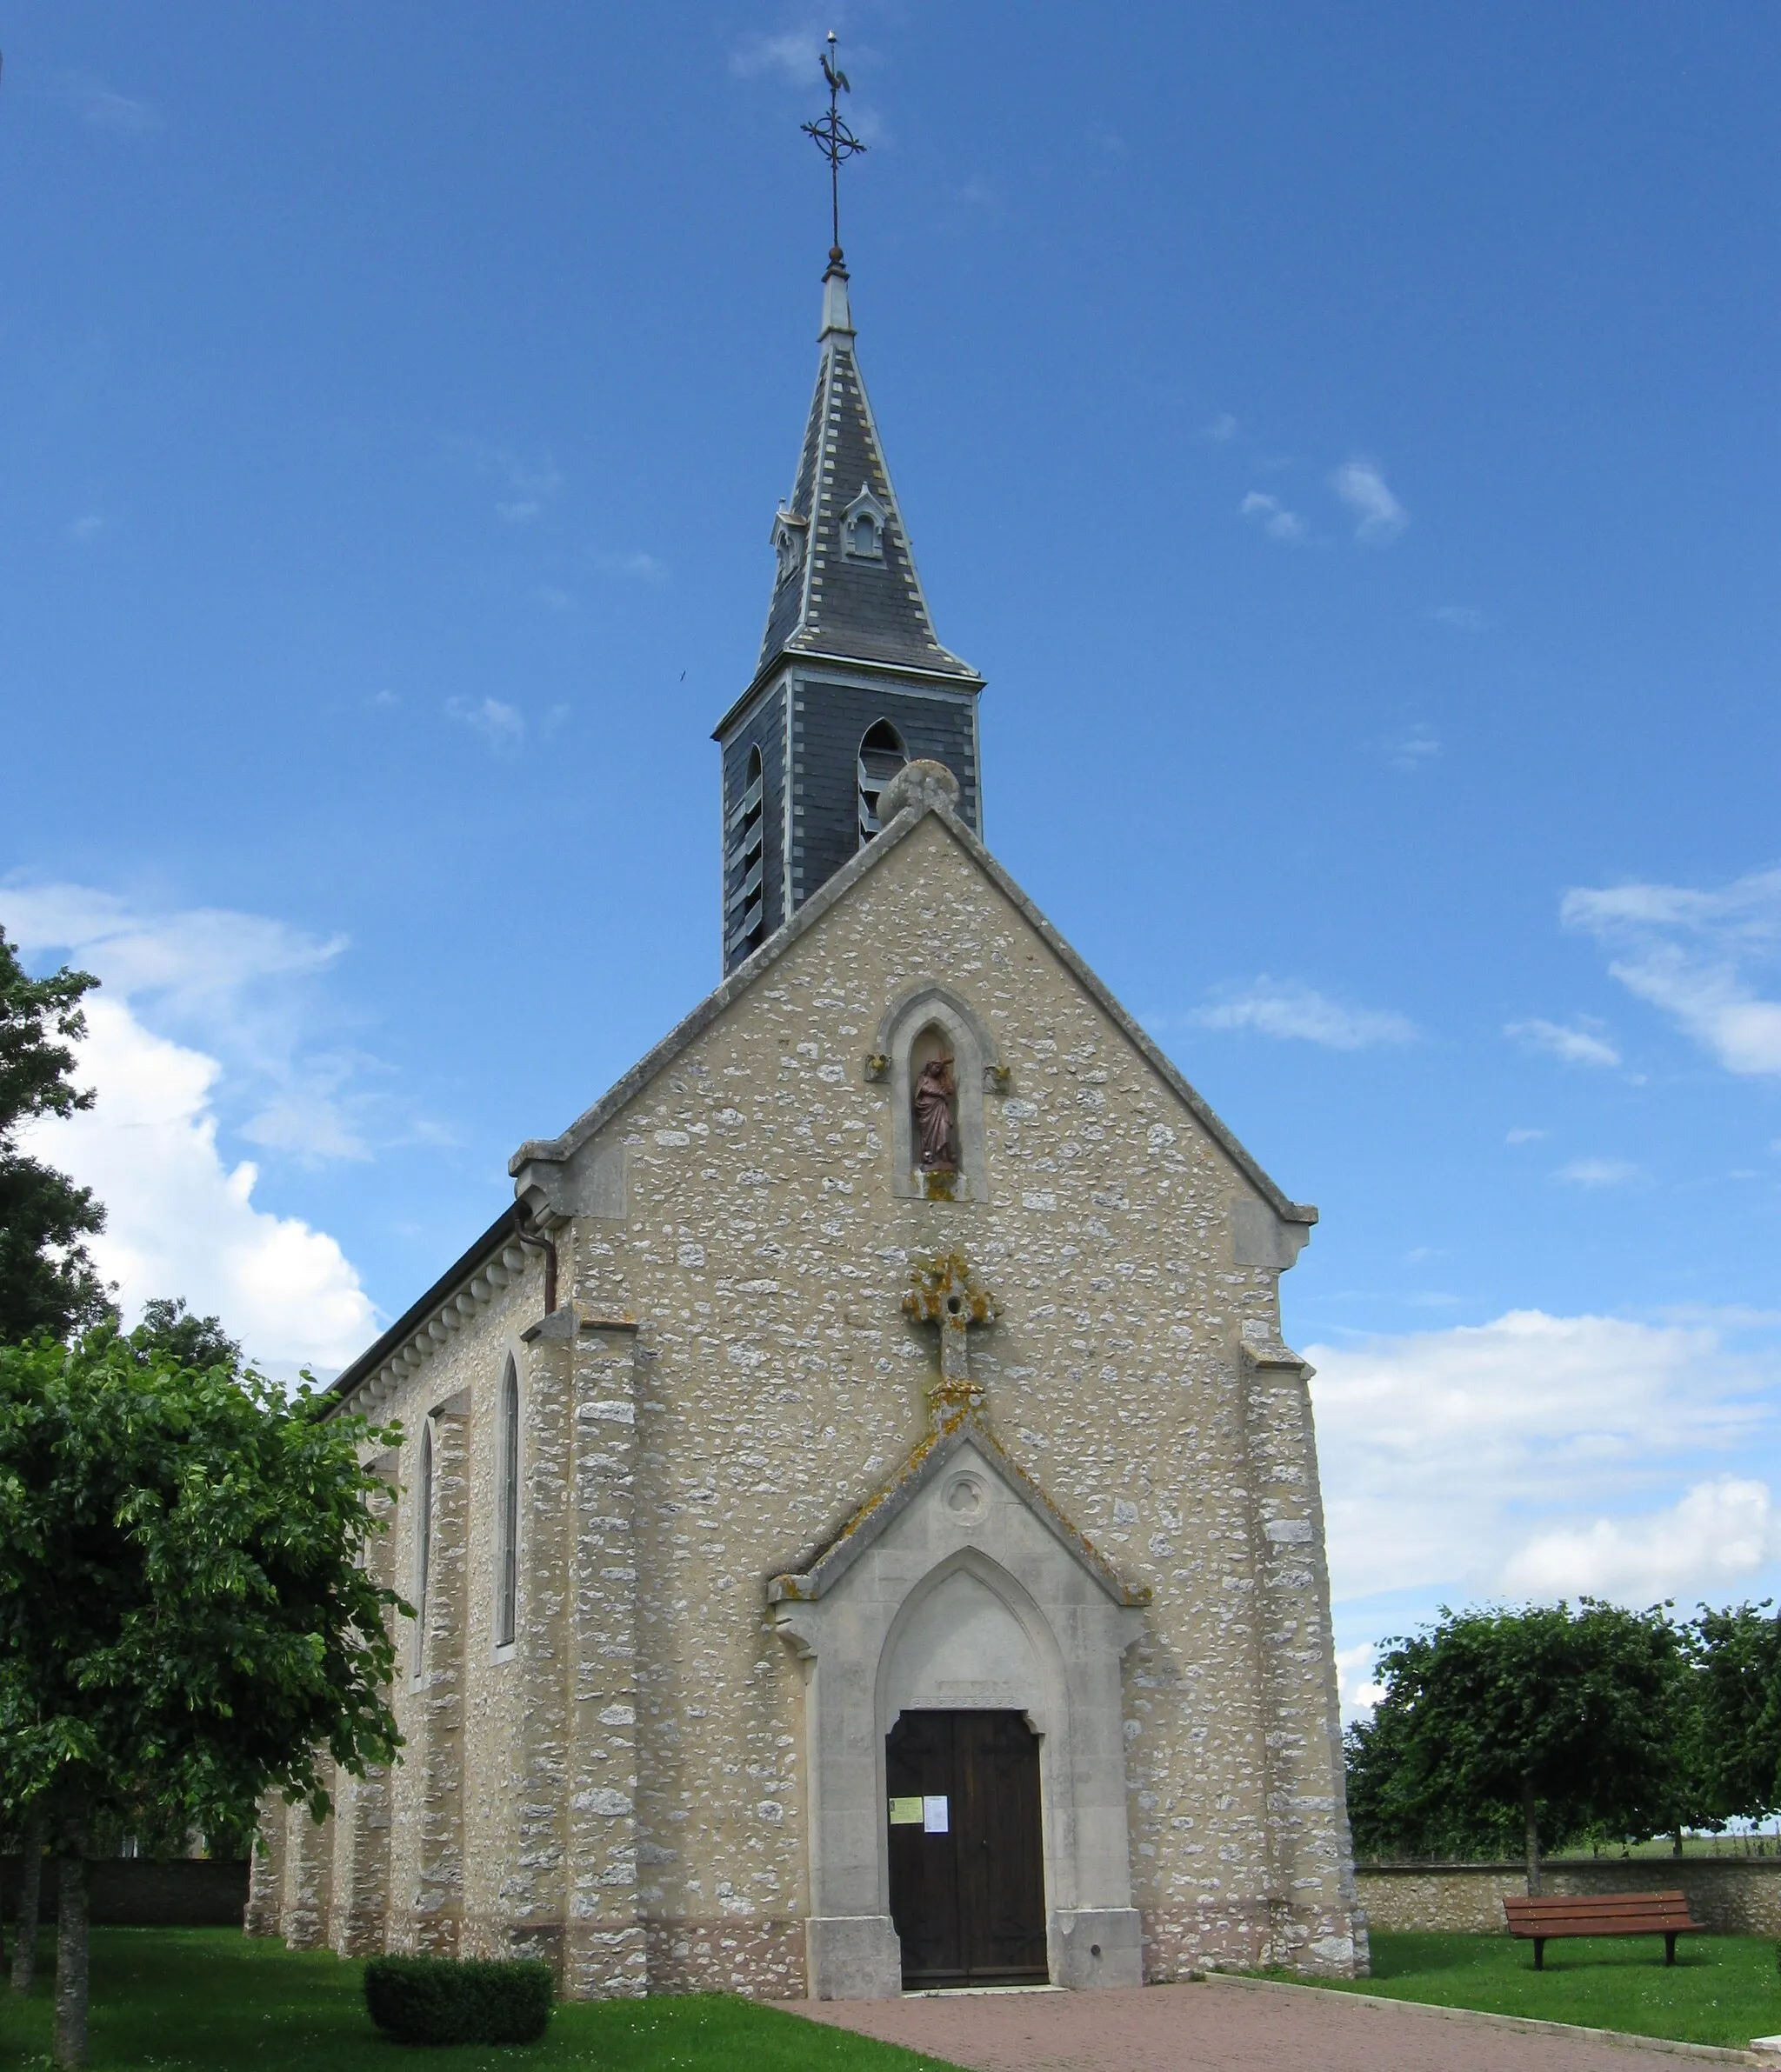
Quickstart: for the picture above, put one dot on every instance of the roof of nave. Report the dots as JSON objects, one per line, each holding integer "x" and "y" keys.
{"x": 929, "y": 804}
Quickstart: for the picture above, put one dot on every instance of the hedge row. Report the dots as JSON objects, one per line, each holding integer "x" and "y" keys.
{"x": 439, "y": 2000}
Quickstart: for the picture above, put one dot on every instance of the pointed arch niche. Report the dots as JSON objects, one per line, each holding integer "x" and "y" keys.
{"x": 963, "y": 1590}
{"x": 928, "y": 1022}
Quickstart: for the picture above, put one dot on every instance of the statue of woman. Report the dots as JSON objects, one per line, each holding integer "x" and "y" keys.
{"x": 937, "y": 1134}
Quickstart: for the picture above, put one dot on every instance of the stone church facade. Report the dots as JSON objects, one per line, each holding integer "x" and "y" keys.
{"x": 863, "y": 1519}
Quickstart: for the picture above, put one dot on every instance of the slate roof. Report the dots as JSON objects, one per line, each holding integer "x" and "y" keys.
{"x": 834, "y": 604}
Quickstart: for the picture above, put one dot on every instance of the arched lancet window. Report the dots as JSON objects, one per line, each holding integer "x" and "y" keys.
{"x": 865, "y": 534}
{"x": 422, "y": 1545}
{"x": 507, "y": 1561}
{"x": 745, "y": 906}
{"x": 863, "y": 525}
{"x": 881, "y": 755}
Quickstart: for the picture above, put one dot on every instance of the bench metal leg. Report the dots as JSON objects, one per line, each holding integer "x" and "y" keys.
{"x": 1669, "y": 1948}
{"x": 1539, "y": 1953}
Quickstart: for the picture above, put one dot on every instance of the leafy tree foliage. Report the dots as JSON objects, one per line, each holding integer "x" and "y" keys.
{"x": 169, "y": 1329}
{"x": 185, "y": 1618}
{"x": 1738, "y": 1702}
{"x": 47, "y": 1281}
{"x": 1544, "y": 1721}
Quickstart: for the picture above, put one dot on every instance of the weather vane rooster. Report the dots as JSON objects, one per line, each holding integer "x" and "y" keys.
{"x": 835, "y": 140}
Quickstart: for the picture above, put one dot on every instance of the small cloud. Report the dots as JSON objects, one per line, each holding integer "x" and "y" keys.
{"x": 527, "y": 486}
{"x": 1219, "y": 428}
{"x": 99, "y": 108}
{"x": 639, "y": 567}
{"x": 1693, "y": 955}
{"x": 1274, "y": 519}
{"x": 1467, "y": 618}
{"x": 85, "y": 531}
{"x": 503, "y": 726}
{"x": 793, "y": 56}
{"x": 1105, "y": 138}
{"x": 1298, "y": 1012}
{"x": 1573, "y": 1046}
{"x": 1410, "y": 751}
{"x": 1600, "y": 1172}
{"x": 1521, "y": 1135}
{"x": 385, "y": 700}
{"x": 1380, "y": 518}
{"x": 552, "y": 598}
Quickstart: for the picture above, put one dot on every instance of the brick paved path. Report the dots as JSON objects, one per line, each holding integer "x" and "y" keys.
{"x": 1221, "y": 2028}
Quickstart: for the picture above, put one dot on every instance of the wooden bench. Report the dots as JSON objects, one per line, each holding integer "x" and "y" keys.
{"x": 1542, "y": 1921}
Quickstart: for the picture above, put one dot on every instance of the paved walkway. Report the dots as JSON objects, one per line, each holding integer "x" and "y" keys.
{"x": 1222, "y": 2026}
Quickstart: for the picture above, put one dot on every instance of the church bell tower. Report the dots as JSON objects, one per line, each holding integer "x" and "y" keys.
{"x": 852, "y": 681}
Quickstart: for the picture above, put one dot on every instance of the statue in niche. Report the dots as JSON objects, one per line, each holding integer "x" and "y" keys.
{"x": 937, "y": 1117}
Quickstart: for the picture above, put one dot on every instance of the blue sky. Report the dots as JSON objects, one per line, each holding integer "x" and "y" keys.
{"x": 1346, "y": 438}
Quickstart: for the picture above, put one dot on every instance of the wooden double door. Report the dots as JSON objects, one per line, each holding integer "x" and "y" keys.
{"x": 967, "y": 1853}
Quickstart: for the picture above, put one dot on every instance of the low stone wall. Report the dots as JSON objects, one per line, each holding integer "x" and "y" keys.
{"x": 1733, "y": 1895}
{"x": 136, "y": 1892}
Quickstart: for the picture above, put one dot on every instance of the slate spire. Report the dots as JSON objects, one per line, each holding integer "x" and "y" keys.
{"x": 846, "y": 585}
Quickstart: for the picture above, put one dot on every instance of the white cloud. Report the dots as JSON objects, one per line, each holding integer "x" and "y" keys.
{"x": 1276, "y": 520}
{"x": 1466, "y": 618}
{"x": 503, "y": 726}
{"x": 526, "y": 487}
{"x": 84, "y": 532}
{"x": 1720, "y": 1532}
{"x": 1380, "y": 518}
{"x": 1354, "y": 1677}
{"x": 1601, "y": 1172}
{"x": 1520, "y": 1134}
{"x": 1449, "y": 1457}
{"x": 231, "y": 980}
{"x": 1574, "y": 1046}
{"x": 1219, "y": 428}
{"x": 99, "y": 108}
{"x": 792, "y": 54}
{"x": 179, "y": 1221}
{"x": 1288, "y": 1009}
{"x": 1692, "y": 954}
{"x": 1411, "y": 750}
{"x": 643, "y": 567}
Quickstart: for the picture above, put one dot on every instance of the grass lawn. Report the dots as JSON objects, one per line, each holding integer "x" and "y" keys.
{"x": 1722, "y": 1989}
{"x": 208, "y": 1999}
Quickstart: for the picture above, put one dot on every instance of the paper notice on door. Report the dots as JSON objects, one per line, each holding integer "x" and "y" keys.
{"x": 906, "y": 1813}
{"x": 933, "y": 1820}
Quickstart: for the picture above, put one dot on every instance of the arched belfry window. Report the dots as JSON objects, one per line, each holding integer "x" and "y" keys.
{"x": 881, "y": 755}
{"x": 422, "y": 1545}
{"x": 507, "y": 1513}
{"x": 744, "y": 862}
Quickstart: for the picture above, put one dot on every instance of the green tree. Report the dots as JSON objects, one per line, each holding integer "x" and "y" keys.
{"x": 186, "y": 1619}
{"x": 1545, "y": 1720}
{"x": 47, "y": 1282}
{"x": 169, "y": 1328}
{"x": 1738, "y": 1654}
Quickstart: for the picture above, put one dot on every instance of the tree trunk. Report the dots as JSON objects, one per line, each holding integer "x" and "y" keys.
{"x": 1676, "y": 1843}
{"x": 1532, "y": 1828}
{"x": 71, "y": 1946}
{"x": 31, "y": 1887}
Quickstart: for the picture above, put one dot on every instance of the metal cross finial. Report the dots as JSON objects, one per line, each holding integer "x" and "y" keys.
{"x": 835, "y": 140}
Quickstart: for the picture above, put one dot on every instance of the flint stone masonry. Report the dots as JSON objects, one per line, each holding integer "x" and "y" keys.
{"x": 634, "y": 1788}
{"x": 1730, "y": 1896}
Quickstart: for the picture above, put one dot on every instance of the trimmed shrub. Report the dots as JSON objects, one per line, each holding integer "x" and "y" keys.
{"x": 439, "y": 2000}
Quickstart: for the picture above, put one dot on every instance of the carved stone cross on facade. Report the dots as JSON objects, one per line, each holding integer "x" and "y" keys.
{"x": 943, "y": 1291}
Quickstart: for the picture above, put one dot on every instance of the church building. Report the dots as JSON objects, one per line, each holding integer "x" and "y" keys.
{"x": 862, "y": 1518}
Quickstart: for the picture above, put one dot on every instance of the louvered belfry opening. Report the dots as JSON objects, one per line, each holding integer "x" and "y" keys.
{"x": 746, "y": 910}
{"x": 881, "y": 755}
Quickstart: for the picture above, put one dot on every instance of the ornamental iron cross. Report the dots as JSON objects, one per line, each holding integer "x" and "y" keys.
{"x": 834, "y": 140}
{"x": 943, "y": 1291}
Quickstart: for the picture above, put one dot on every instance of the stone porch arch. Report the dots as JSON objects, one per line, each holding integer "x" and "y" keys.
{"x": 962, "y": 1519}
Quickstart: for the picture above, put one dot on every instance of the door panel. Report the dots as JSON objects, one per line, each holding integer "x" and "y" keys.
{"x": 968, "y": 1903}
